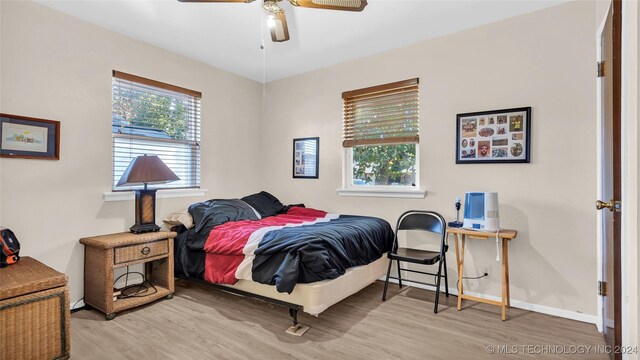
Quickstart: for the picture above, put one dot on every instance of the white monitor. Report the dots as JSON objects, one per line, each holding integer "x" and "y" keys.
{"x": 481, "y": 211}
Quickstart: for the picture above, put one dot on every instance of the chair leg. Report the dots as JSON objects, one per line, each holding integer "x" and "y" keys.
{"x": 435, "y": 307}
{"x": 446, "y": 279}
{"x": 399, "y": 275}
{"x": 386, "y": 282}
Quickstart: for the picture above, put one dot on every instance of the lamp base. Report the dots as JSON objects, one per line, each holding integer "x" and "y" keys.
{"x": 143, "y": 228}
{"x": 455, "y": 224}
{"x": 145, "y": 212}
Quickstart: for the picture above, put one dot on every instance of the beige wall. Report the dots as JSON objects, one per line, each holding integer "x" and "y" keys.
{"x": 57, "y": 67}
{"x": 544, "y": 60}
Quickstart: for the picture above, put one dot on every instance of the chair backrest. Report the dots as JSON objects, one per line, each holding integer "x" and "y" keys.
{"x": 422, "y": 220}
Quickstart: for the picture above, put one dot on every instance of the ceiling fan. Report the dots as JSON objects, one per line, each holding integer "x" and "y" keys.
{"x": 276, "y": 19}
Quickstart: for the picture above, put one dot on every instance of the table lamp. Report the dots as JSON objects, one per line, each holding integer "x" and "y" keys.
{"x": 146, "y": 170}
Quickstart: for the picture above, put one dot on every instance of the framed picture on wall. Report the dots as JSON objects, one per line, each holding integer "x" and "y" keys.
{"x": 305, "y": 158}
{"x": 496, "y": 136}
{"x": 29, "y": 138}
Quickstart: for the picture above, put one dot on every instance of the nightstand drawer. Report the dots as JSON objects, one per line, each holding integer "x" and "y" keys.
{"x": 140, "y": 251}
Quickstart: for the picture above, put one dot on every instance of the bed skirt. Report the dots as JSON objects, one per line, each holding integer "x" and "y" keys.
{"x": 317, "y": 296}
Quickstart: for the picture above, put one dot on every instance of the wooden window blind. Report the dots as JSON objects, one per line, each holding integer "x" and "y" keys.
{"x": 154, "y": 118}
{"x": 384, "y": 114}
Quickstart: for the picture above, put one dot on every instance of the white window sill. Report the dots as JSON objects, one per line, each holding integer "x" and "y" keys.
{"x": 406, "y": 193}
{"x": 161, "y": 194}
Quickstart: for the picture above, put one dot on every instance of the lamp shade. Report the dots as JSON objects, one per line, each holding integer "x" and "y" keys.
{"x": 147, "y": 170}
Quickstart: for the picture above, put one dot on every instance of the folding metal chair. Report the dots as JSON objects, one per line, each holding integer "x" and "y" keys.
{"x": 429, "y": 221}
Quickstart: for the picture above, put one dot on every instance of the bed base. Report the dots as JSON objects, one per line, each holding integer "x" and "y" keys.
{"x": 296, "y": 328}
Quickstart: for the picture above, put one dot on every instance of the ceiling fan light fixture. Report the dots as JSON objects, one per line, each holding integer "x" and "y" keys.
{"x": 279, "y": 31}
{"x": 271, "y": 20}
{"x": 271, "y": 6}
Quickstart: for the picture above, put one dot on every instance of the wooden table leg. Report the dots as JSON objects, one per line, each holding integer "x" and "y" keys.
{"x": 460, "y": 263}
{"x": 505, "y": 256}
{"x": 505, "y": 278}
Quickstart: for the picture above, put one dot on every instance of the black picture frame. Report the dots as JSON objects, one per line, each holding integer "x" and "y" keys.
{"x": 496, "y": 136}
{"x": 29, "y": 138}
{"x": 306, "y": 158}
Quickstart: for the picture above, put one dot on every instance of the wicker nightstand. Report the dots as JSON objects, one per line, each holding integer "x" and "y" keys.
{"x": 104, "y": 253}
{"x": 34, "y": 312}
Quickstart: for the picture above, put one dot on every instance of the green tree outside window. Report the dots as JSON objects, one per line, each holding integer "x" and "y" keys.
{"x": 384, "y": 164}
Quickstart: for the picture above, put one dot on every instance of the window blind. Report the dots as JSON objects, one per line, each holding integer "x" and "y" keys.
{"x": 384, "y": 114}
{"x": 154, "y": 118}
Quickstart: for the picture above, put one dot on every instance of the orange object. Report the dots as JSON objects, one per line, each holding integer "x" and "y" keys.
{"x": 9, "y": 247}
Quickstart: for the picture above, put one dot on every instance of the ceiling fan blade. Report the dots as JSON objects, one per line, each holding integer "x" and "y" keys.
{"x": 217, "y": 1}
{"x": 278, "y": 26}
{"x": 347, "y": 5}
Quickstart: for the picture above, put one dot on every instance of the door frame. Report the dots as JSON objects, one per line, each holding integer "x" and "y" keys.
{"x": 630, "y": 197}
{"x": 630, "y": 83}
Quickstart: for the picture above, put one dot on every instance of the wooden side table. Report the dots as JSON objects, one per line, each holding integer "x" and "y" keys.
{"x": 34, "y": 311}
{"x": 460, "y": 235}
{"x": 103, "y": 254}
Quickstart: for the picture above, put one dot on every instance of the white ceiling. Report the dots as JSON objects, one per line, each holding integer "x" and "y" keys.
{"x": 229, "y": 35}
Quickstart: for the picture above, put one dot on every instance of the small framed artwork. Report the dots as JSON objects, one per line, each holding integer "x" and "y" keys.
{"x": 497, "y": 136}
{"x": 29, "y": 138}
{"x": 305, "y": 158}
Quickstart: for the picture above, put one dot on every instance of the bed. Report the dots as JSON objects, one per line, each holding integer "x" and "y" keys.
{"x": 302, "y": 258}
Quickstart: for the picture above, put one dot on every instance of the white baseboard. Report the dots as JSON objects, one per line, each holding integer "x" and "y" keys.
{"x": 609, "y": 323}
{"x": 591, "y": 319}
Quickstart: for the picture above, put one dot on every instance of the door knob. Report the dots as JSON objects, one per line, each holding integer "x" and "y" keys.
{"x": 612, "y": 205}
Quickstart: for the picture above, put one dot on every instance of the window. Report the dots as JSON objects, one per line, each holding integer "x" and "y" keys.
{"x": 380, "y": 135}
{"x": 154, "y": 118}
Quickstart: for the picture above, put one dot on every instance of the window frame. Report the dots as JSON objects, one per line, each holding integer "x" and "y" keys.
{"x": 401, "y": 191}
{"x": 393, "y": 191}
{"x": 194, "y": 143}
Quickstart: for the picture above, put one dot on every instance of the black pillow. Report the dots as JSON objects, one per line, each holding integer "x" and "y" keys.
{"x": 264, "y": 203}
{"x": 209, "y": 214}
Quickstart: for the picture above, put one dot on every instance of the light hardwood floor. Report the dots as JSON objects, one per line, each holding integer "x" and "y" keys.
{"x": 204, "y": 323}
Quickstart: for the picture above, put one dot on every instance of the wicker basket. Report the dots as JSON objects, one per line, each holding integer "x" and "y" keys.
{"x": 34, "y": 308}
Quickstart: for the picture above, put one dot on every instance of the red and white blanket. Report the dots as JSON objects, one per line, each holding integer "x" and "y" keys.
{"x": 230, "y": 247}
{"x": 304, "y": 245}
